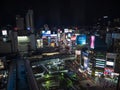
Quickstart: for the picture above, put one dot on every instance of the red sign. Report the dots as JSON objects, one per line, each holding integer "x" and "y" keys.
{"x": 73, "y": 38}
{"x": 108, "y": 71}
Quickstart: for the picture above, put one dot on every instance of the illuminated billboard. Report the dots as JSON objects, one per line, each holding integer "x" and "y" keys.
{"x": 69, "y": 35}
{"x": 92, "y": 42}
{"x": 66, "y": 30}
{"x": 110, "y": 60}
{"x": 4, "y": 32}
{"x": 46, "y": 33}
{"x": 108, "y": 71}
{"x": 86, "y": 61}
{"x": 100, "y": 63}
{"x": 109, "y": 63}
{"x": 81, "y": 40}
{"x": 53, "y": 35}
{"x": 73, "y": 38}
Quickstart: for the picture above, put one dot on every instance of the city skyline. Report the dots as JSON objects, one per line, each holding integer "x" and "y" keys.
{"x": 59, "y": 45}
{"x": 59, "y": 12}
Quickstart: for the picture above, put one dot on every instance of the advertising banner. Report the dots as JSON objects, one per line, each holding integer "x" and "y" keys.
{"x": 81, "y": 40}
{"x": 46, "y": 33}
{"x": 100, "y": 63}
{"x": 108, "y": 71}
{"x": 86, "y": 61}
{"x": 92, "y": 42}
{"x": 73, "y": 38}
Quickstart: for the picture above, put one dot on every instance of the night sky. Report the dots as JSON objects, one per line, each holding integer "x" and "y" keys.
{"x": 58, "y": 12}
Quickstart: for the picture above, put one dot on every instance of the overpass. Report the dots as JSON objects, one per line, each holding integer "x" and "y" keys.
{"x": 21, "y": 76}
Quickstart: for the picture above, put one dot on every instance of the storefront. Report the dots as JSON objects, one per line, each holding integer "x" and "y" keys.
{"x": 110, "y": 64}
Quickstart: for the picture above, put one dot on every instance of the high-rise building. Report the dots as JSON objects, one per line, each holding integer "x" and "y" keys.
{"x": 108, "y": 40}
{"x": 30, "y": 27}
{"x": 116, "y": 42}
{"x": 19, "y": 22}
{"x": 29, "y": 21}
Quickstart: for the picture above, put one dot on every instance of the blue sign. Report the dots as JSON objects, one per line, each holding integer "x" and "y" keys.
{"x": 81, "y": 39}
{"x": 46, "y": 33}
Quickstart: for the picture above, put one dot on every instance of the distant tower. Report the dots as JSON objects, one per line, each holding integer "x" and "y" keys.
{"x": 19, "y": 22}
{"x": 29, "y": 21}
{"x": 30, "y": 27}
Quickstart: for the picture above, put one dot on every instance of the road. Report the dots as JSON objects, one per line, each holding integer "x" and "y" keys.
{"x": 90, "y": 83}
{"x": 22, "y": 83}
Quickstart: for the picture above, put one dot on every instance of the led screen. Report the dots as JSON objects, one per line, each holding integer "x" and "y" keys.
{"x": 65, "y": 30}
{"x": 92, "y": 40}
{"x": 81, "y": 39}
{"x": 108, "y": 71}
{"x": 73, "y": 38}
{"x": 85, "y": 62}
{"x": 46, "y": 33}
{"x": 110, "y": 63}
{"x": 100, "y": 63}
